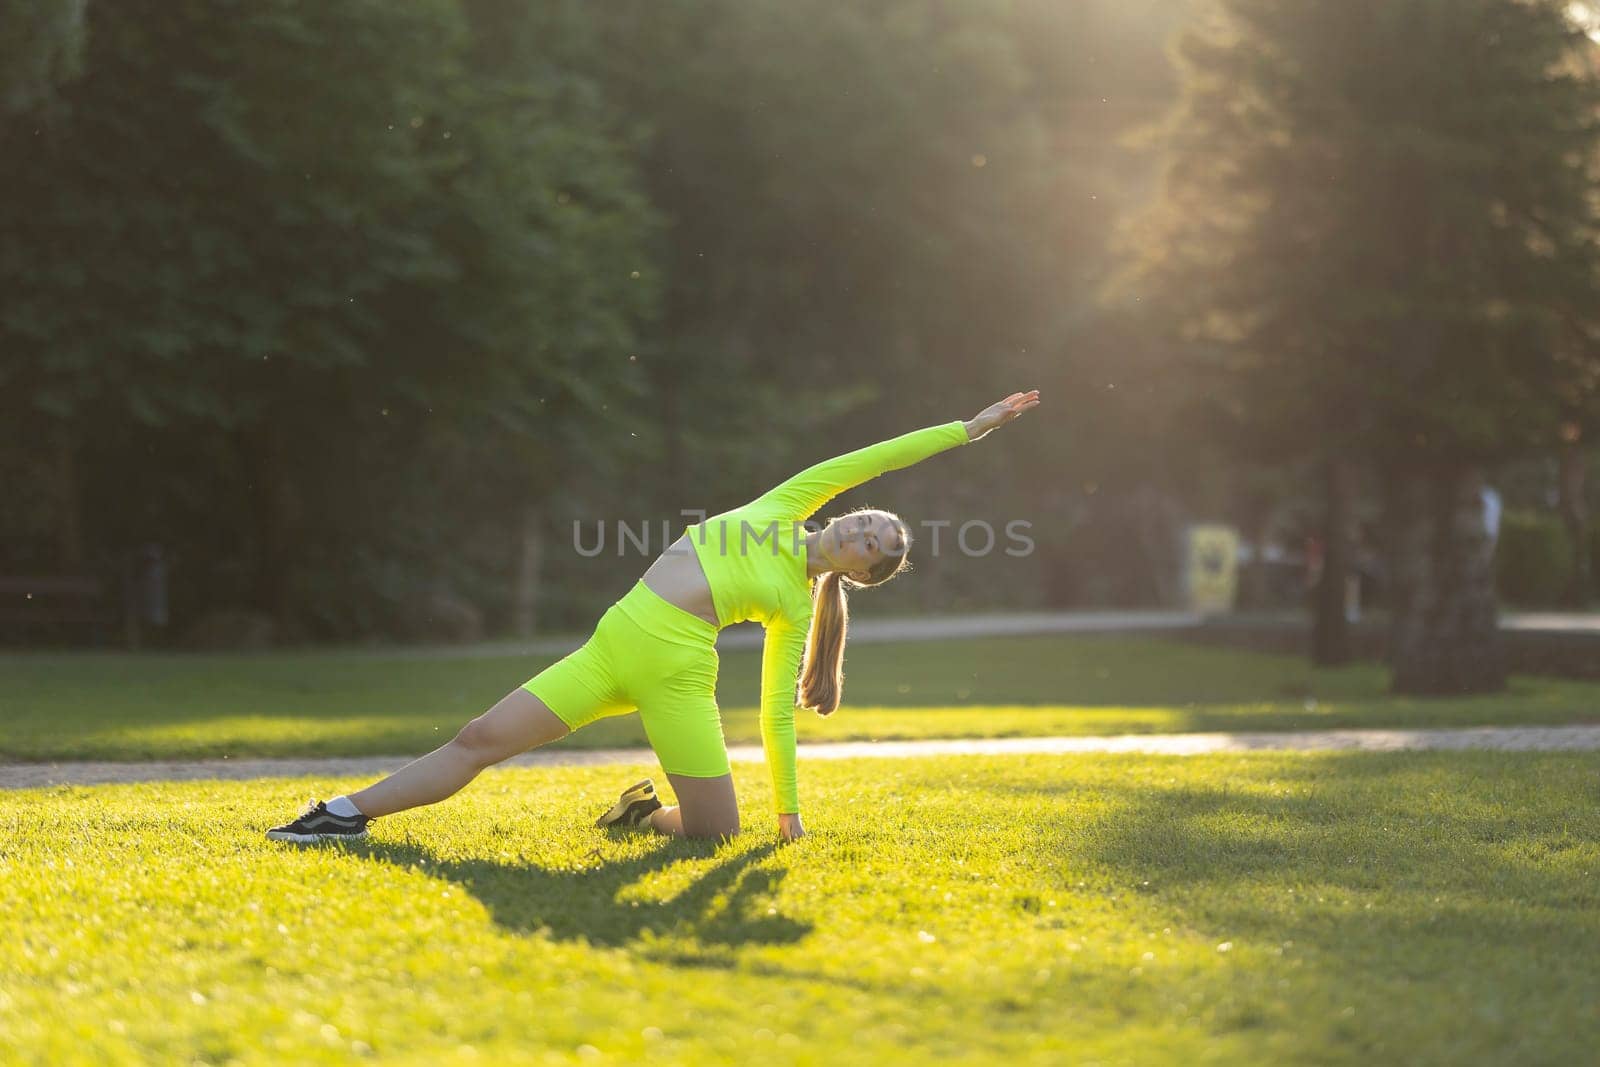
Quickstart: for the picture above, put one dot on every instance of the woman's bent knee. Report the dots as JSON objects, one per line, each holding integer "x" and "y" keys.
{"x": 709, "y": 805}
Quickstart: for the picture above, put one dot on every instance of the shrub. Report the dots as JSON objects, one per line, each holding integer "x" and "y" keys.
{"x": 1533, "y": 560}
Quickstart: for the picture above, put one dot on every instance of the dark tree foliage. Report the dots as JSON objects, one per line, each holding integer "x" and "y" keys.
{"x": 316, "y": 262}
{"x": 353, "y": 305}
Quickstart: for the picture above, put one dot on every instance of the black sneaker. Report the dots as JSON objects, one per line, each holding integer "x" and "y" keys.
{"x": 633, "y": 808}
{"x": 317, "y": 823}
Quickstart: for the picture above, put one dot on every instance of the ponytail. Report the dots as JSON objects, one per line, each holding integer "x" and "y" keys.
{"x": 822, "y": 677}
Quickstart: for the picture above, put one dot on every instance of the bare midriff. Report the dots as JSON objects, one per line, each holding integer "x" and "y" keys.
{"x": 678, "y": 578}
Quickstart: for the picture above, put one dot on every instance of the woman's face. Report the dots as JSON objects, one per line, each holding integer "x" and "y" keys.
{"x": 858, "y": 541}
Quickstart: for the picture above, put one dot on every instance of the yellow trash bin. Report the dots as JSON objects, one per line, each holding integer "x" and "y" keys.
{"x": 1212, "y": 566}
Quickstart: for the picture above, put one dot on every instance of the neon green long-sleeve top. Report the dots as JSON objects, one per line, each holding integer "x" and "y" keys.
{"x": 754, "y": 558}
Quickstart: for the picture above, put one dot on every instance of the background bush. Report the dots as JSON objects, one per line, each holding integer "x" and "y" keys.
{"x": 1533, "y": 560}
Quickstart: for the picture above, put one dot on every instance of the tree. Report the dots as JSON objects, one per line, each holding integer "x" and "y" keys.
{"x": 1378, "y": 236}
{"x": 301, "y": 227}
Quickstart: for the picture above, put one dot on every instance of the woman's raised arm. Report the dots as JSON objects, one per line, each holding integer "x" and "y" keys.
{"x": 799, "y": 497}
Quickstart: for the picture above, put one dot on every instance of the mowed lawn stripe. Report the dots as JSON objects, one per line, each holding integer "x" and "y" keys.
{"x": 1336, "y": 908}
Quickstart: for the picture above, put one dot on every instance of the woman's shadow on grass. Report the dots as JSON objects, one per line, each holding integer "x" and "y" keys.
{"x": 728, "y": 904}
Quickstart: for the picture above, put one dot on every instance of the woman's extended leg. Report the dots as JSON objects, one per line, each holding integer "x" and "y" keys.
{"x": 706, "y": 807}
{"x": 519, "y": 722}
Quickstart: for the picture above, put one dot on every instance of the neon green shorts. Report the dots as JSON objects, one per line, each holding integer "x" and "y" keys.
{"x": 651, "y": 655}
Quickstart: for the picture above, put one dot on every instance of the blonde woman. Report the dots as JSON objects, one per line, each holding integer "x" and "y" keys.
{"x": 655, "y": 651}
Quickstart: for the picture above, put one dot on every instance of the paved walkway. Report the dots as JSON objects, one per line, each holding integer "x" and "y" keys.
{"x": 749, "y": 635}
{"x": 867, "y": 630}
{"x": 1504, "y": 738}
{"x": 947, "y": 627}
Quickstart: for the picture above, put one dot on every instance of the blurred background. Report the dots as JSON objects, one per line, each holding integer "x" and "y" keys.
{"x": 328, "y": 323}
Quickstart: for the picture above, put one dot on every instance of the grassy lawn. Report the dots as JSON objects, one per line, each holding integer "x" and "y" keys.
{"x": 145, "y": 707}
{"x": 1334, "y": 908}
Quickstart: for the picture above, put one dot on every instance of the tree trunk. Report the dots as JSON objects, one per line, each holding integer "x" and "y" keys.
{"x": 69, "y": 507}
{"x": 1446, "y": 639}
{"x": 276, "y": 518}
{"x": 530, "y": 562}
{"x": 1330, "y": 631}
{"x": 1574, "y": 515}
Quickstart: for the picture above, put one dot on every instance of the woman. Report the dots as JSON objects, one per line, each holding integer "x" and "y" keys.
{"x": 655, "y": 651}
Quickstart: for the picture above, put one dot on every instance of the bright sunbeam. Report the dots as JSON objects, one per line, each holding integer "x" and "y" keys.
{"x": 1586, "y": 15}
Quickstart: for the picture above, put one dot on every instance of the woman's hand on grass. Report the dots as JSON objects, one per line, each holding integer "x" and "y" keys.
{"x": 997, "y": 415}
{"x": 789, "y": 828}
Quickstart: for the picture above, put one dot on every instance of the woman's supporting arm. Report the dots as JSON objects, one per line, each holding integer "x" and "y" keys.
{"x": 781, "y": 652}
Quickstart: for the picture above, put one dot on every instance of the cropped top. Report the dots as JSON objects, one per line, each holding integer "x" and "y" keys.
{"x": 754, "y": 559}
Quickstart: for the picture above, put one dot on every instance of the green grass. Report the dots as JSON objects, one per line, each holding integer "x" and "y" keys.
{"x": 310, "y": 704}
{"x": 1337, "y": 908}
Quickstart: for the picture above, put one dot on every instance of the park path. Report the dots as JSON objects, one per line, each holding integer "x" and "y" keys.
{"x": 1501, "y": 738}
{"x": 913, "y": 628}
{"x": 948, "y": 627}
{"x": 865, "y": 630}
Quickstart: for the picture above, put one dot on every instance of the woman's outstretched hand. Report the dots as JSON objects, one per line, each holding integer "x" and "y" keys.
{"x": 996, "y": 415}
{"x": 789, "y": 827}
